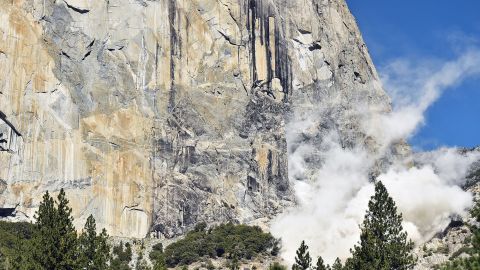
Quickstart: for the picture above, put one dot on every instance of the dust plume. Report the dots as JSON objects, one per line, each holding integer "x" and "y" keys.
{"x": 332, "y": 198}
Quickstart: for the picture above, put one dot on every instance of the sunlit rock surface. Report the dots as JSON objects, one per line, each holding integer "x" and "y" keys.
{"x": 155, "y": 115}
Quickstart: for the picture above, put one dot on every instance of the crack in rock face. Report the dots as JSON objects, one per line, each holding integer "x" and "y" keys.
{"x": 76, "y": 8}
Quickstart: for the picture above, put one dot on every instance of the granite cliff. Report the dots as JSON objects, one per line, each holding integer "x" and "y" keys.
{"x": 154, "y": 115}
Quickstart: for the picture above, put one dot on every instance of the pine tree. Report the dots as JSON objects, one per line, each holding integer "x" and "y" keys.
{"x": 383, "y": 243}
{"x": 87, "y": 244}
{"x": 67, "y": 236}
{"x": 54, "y": 243}
{"x": 320, "y": 264}
{"x": 94, "y": 250}
{"x": 43, "y": 253}
{"x": 122, "y": 257}
{"x": 158, "y": 257}
{"x": 103, "y": 255}
{"x": 337, "y": 265}
{"x": 303, "y": 260}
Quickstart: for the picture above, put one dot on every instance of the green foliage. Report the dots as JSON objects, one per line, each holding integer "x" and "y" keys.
{"x": 52, "y": 243}
{"x": 43, "y": 252}
{"x": 94, "y": 251}
{"x": 233, "y": 264}
{"x": 277, "y": 266}
{"x": 157, "y": 257}
{"x": 383, "y": 243}
{"x": 303, "y": 261}
{"x": 67, "y": 236}
{"x": 337, "y": 265}
{"x": 122, "y": 255}
{"x": 231, "y": 241}
{"x": 161, "y": 265}
{"x": 320, "y": 265}
{"x": 141, "y": 263}
{"x": 13, "y": 237}
{"x": 471, "y": 263}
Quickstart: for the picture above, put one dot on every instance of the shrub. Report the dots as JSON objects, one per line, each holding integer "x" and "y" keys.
{"x": 460, "y": 251}
{"x": 121, "y": 256}
{"x": 157, "y": 252}
{"x": 231, "y": 241}
{"x": 210, "y": 265}
{"x": 277, "y": 266}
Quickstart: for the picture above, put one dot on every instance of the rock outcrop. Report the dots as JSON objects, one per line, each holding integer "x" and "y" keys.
{"x": 156, "y": 114}
{"x": 453, "y": 241}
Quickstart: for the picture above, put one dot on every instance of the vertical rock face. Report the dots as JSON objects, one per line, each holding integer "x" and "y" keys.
{"x": 155, "y": 115}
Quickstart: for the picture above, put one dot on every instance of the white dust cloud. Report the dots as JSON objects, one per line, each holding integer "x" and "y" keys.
{"x": 332, "y": 199}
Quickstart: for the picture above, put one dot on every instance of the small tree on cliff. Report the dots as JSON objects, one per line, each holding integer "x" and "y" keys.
{"x": 303, "y": 261}
{"x": 383, "y": 243}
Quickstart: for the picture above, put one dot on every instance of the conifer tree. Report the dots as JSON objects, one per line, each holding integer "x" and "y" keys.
{"x": 54, "y": 243}
{"x": 43, "y": 253}
{"x": 121, "y": 257}
{"x": 94, "y": 250}
{"x": 383, "y": 243}
{"x": 320, "y": 265}
{"x": 303, "y": 261}
{"x": 67, "y": 236}
{"x": 337, "y": 265}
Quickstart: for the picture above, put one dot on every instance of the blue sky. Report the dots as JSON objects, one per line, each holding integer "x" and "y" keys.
{"x": 436, "y": 30}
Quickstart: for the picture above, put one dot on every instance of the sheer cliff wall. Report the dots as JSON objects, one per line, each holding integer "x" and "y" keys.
{"x": 154, "y": 115}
